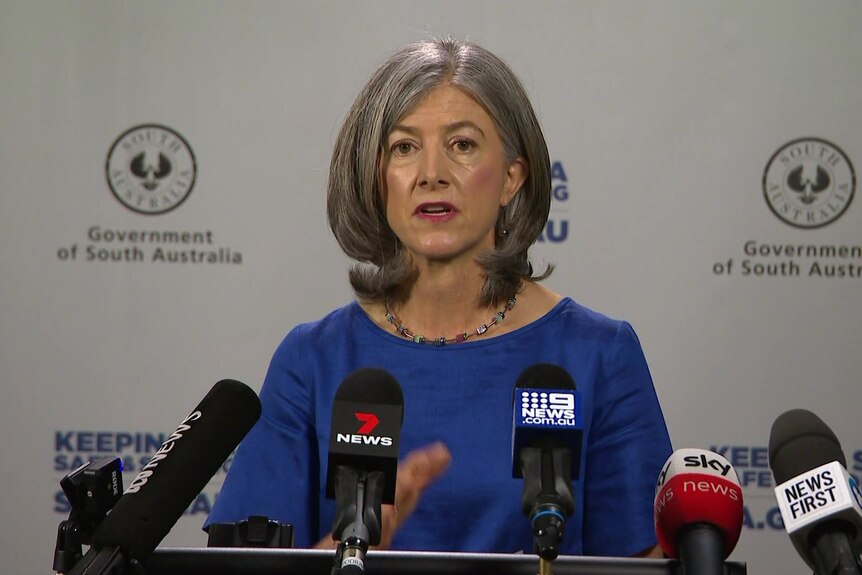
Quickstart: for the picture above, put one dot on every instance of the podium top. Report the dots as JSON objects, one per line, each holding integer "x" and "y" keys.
{"x": 227, "y": 561}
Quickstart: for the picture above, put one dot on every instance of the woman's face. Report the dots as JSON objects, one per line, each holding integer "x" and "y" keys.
{"x": 446, "y": 177}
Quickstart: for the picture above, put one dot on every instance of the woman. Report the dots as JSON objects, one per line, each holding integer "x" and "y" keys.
{"x": 439, "y": 184}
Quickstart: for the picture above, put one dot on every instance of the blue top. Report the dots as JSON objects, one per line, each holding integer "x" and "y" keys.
{"x": 460, "y": 394}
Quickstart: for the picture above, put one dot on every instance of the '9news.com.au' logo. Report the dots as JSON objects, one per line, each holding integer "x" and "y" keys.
{"x": 546, "y": 407}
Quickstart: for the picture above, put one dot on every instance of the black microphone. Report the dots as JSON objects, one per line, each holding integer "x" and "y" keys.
{"x": 363, "y": 460}
{"x": 547, "y": 434}
{"x": 820, "y": 503}
{"x": 175, "y": 475}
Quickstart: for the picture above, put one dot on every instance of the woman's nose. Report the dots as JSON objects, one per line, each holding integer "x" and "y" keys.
{"x": 433, "y": 169}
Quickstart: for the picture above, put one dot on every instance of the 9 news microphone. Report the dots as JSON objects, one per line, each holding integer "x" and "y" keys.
{"x": 820, "y": 503}
{"x": 698, "y": 510}
{"x": 175, "y": 475}
{"x": 363, "y": 460}
{"x": 547, "y": 434}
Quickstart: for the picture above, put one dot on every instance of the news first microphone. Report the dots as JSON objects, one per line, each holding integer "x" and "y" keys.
{"x": 698, "y": 510}
{"x": 175, "y": 475}
{"x": 547, "y": 430}
{"x": 820, "y": 502}
{"x": 363, "y": 460}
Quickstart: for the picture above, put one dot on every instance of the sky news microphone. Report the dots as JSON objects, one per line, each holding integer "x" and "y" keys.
{"x": 820, "y": 503}
{"x": 547, "y": 432}
{"x": 363, "y": 460}
{"x": 698, "y": 510}
{"x": 171, "y": 480}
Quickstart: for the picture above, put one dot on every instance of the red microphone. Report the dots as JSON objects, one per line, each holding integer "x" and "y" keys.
{"x": 698, "y": 510}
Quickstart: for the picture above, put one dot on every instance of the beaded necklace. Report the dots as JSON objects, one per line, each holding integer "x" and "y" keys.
{"x": 461, "y": 337}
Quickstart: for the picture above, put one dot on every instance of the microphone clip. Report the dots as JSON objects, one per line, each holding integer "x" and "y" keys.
{"x": 92, "y": 490}
{"x": 357, "y": 525}
{"x": 547, "y": 498}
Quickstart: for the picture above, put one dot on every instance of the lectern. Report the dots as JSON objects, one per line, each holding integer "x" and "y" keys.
{"x": 233, "y": 561}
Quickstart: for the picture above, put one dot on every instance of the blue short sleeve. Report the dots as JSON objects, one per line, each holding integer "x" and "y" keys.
{"x": 276, "y": 464}
{"x": 628, "y": 441}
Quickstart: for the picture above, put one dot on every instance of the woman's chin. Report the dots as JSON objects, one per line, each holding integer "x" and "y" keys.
{"x": 447, "y": 254}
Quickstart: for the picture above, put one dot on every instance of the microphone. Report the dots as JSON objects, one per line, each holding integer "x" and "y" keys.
{"x": 175, "y": 475}
{"x": 698, "y": 510}
{"x": 363, "y": 460}
{"x": 547, "y": 430}
{"x": 820, "y": 502}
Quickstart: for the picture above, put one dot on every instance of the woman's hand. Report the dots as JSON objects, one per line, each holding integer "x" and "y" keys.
{"x": 418, "y": 470}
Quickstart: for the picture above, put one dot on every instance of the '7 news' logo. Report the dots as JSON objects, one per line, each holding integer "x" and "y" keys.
{"x": 548, "y": 407}
{"x": 369, "y": 422}
{"x": 363, "y": 435}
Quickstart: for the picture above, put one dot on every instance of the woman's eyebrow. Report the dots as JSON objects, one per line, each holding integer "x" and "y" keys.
{"x": 448, "y": 128}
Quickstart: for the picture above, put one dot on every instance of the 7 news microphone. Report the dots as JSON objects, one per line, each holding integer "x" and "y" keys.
{"x": 547, "y": 434}
{"x": 363, "y": 460}
{"x": 175, "y": 475}
{"x": 820, "y": 502}
{"x": 698, "y": 510}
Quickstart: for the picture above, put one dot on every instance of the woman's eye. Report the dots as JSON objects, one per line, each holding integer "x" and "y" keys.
{"x": 463, "y": 145}
{"x": 402, "y": 148}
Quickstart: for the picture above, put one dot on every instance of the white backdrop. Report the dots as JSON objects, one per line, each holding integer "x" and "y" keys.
{"x": 662, "y": 117}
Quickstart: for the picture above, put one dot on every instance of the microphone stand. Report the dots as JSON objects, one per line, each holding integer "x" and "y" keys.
{"x": 701, "y": 549}
{"x": 832, "y": 550}
{"x": 547, "y": 498}
{"x": 107, "y": 561}
{"x": 92, "y": 490}
{"x": 358, "y": 496}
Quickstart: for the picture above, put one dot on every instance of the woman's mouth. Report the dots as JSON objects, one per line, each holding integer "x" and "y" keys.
{"x": 436, "y": 211}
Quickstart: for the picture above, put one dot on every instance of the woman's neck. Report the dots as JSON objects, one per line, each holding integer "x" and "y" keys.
{"x": 444, "y": 301}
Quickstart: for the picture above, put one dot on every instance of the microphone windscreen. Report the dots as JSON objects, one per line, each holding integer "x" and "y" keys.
{"x": 547, "y": 411}
{"x": 367, "y": 414}
{"x": 820, "y": 502}
{"x": 695, "y": 487}
{"x": 800, "y": 441}
{"x": 179, "y": 470}
{"x": 370, "y": 385}
{"x": 545, "y": 376}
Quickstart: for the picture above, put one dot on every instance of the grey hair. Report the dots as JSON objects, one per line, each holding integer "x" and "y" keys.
{"x": 355, "y": 207}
